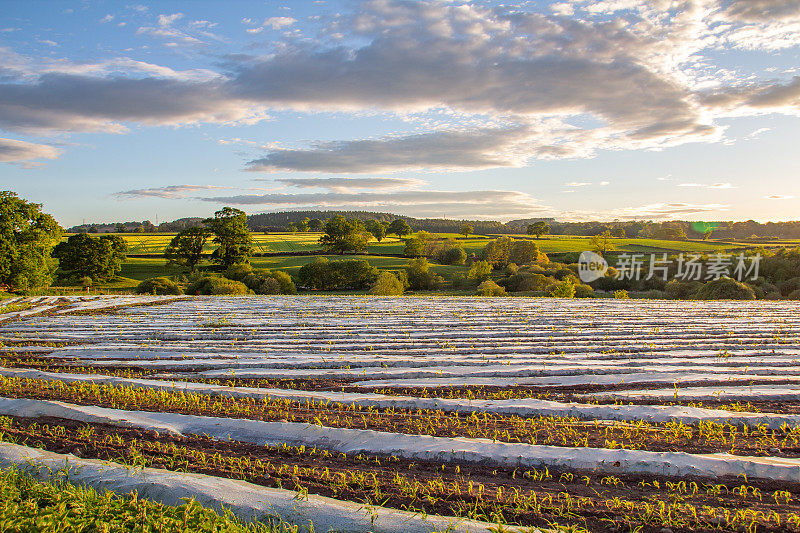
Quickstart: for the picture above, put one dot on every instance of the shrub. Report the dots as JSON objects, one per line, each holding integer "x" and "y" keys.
{"x": 420, "y": 276}
{"x": 725, "y": 289}
{"x": 794, "y": 295}
{"x": 270, "y": 282}
{"x": 85, "y": 281}
{"x": 524, "y": 252}
{"x": 217, "y": 285}
{"x": 387, "y": 284}
{"x": 238, "y": 271}
{"x": 584, "y": 291}
{"x": 158, "y": 286}
{"x": 318, "y": 275}
{"x": 511, "y": 269}
{"x": 682, "y": 290}
{"x": 416, "y": 246}
{"x": 330, "y": 275}
{"x": 498, "y": 251}
{"x": 479, "y": 270}
{"x": 563, "y": 289}
{"x": 490, "y": 288}
{"x": 622, "y": 294}
{"x": 453, "y": 256}
{"x": 527, "y": 282}
{"x": 789, "y": 286}
{"x": 229, "y": 287}
{"x": 563, "y": 273}
{"x": 268, "y": 286}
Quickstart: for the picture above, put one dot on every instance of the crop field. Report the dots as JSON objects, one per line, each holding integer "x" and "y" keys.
{"x": 416, "y": 413}
{"x": 155, "y": 243}
{"x": 568, "y": 243}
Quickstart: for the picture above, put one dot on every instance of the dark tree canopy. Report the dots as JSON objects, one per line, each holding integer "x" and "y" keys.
{"x": 83, "y": 255}
{"x": 27, "y": 238}
{"x": 229, "y": 227}
{"x": 539, "y": 228}
{"x": 376, "y": 228}
{"x": 344, "y": 235}
{"x": 328, "y": 275}
{"x": 186, "y": 248}
{"x": 399, "y": 227}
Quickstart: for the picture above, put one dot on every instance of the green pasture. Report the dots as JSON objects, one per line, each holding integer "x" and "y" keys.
{"x": 155, "y": 243}
{"x": 136, "y": 269}
{"x": 571, "y": 243}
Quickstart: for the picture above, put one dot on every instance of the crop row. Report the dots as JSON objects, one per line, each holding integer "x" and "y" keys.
{"x": 559, "y": 431}
{"x": 530, "y": 497}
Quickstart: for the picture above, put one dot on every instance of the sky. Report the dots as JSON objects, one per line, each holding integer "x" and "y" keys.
{"x": 574, "y": 109}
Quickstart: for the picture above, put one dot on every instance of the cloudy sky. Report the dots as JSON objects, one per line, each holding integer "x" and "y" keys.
{"x": 577, "y": 109}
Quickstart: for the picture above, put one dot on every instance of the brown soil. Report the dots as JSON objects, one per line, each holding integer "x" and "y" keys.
{"x": 593, "y": 515}
{"x": 507, "y": 429}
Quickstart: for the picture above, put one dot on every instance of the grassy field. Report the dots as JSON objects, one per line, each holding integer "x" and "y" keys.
{"x": 154, "y": 244}
{"x": 136, "y": 269}
{"x": 571, "y": 243}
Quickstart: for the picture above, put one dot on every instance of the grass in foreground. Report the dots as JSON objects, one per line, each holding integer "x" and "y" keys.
{"x": 30, "y": 505}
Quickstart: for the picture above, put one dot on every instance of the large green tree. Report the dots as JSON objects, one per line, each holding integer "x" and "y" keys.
{"x": 344, "y": 235}
{"x": 376, "y": 228}
{"x": 602, "y": 243}
{"x": 229, "y": 227}
{"x": 538, "y": 228}
{"x": 399, "y": 227}
{"x": 186, "y": 248}
{"x": 27, "y": 238}
{"x": 85, "y": 256}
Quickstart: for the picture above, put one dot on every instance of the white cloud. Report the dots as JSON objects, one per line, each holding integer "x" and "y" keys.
{"x": 428, "y": 151}
{"x": 761, "y": 10}
{"x": 106, "y": 19}
{"x": 422, "y": 203}
{"x": 708, "y": 186}
{"x": 170, "y": 191}
{"x": 14, "y": 151}
{"x": 349, "y": 184}
{"x": 277, "y": 23}
{"x": 661, "y": 210}
{"x": 642, "y": 77}
{"x": 167, "y": 20}
{"x": 779, "y": 197}
{"x": 578, "y": 184}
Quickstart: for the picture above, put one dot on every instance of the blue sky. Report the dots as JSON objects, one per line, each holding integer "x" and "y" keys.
{"x": 581, "y": 109}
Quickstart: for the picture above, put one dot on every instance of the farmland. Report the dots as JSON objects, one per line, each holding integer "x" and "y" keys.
{"x": 277, "y": 242}
{"x": 600, "y": 415}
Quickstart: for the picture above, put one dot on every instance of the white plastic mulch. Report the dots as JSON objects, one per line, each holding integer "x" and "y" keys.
{"x": 246, "y": 500}
{"x": 421, "y": 447}
{"x": 516, "y": 407}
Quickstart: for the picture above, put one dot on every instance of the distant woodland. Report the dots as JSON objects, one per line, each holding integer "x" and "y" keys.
{"x": 677, "y": 229}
